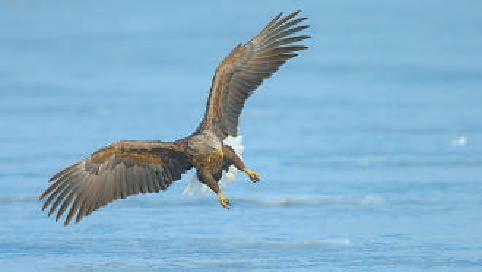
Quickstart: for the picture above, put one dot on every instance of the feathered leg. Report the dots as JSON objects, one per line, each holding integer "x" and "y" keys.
{"x": 207, "y": 178}
{"x": 232, "y": 158}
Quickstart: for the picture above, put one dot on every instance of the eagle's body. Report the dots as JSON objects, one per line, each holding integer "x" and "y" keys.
{"x": 206, "y": 151}
{"x": 131, "y": 167}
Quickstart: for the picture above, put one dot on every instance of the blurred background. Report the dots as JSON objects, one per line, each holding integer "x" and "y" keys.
{"x": 369, "y": 144}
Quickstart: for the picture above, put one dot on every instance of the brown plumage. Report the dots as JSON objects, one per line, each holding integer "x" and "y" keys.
{"x": 132, "y": 167}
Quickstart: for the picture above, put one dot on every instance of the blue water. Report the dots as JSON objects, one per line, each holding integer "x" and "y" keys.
{"x": 369, "y": 145}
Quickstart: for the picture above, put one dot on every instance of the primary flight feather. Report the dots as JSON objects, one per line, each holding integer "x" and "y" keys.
{"x": 131, "y": 167}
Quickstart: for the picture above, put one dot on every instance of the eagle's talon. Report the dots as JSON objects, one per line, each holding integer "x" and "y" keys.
{"x": 252, "y": 175}
{"x": 224, "y": 201}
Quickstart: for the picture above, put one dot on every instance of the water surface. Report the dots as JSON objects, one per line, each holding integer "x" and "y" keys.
{"x": 369, "y": 145}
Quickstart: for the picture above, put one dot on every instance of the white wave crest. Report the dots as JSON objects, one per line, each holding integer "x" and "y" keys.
{"x": 316, "y": 200}
{"x": 17, "y": 199}
{"x": 459, "y": 141}
{"x": 334, "y": 242}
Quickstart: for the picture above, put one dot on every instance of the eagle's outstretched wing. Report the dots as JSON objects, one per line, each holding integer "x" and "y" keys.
{"x": 117, "y": 171}
{"x": 240, "y": 73}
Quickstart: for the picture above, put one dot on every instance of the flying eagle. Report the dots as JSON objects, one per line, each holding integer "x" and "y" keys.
{"x": 128, "y": 168}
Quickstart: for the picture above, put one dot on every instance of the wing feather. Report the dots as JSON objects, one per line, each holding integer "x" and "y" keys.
{"x": 115, "y": 172}
{"x": 245, "y": 68}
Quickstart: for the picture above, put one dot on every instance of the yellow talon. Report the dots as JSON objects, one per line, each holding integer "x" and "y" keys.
{"x": 224, "y": 201}
{"x": 252, "y": 175}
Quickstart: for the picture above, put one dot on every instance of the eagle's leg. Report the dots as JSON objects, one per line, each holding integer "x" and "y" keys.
{"x": 232, "y": 158}
{"x": 207, "y": 178}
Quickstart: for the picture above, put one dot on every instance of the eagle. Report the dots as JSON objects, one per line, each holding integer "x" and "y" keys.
{"x": 131, "y": 167}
